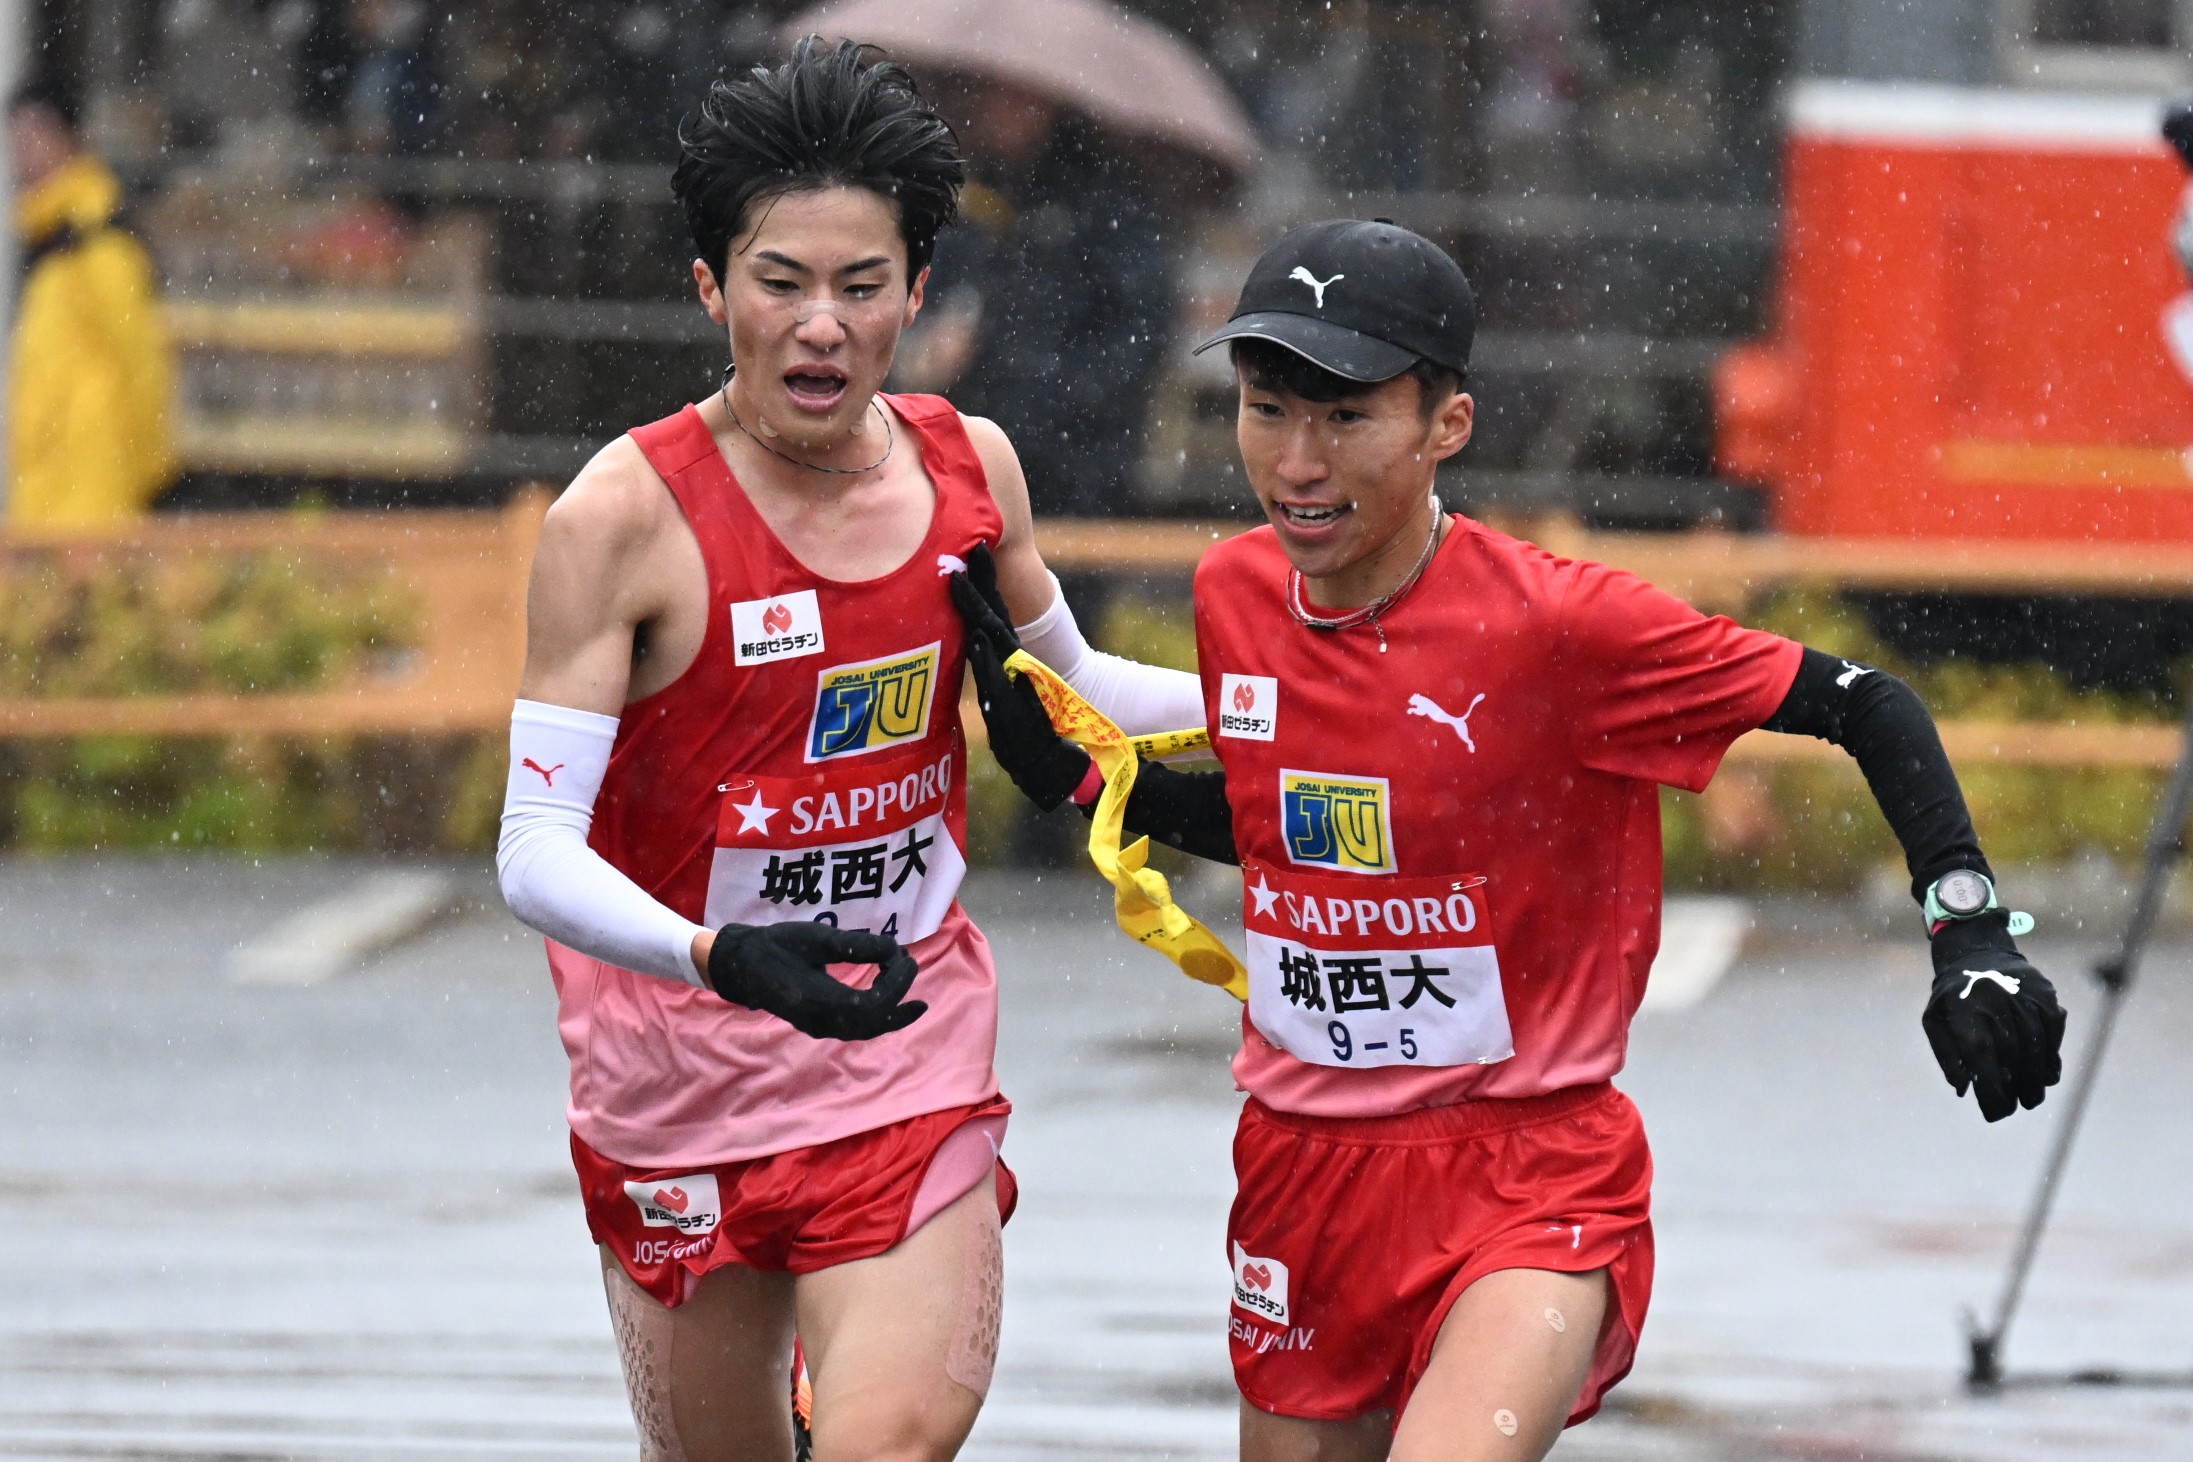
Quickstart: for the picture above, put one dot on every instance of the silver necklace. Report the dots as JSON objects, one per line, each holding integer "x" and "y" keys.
{"x": 1369, "y": 613}
{"x": 890, "y": 438}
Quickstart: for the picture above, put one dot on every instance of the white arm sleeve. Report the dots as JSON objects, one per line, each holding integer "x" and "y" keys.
{"x": 1140, "y": 698}
{"x": 551, "y": 879}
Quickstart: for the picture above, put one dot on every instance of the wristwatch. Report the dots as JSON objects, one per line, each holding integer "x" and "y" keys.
{"x": 1966, "y": 893}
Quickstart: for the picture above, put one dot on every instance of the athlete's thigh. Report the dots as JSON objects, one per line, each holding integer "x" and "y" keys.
{"x": 900, "y": 1347}
{"x": 1511, "y": 1357}
{"x": 1269, "y": 1438}
{"x": 711, "y": 1379}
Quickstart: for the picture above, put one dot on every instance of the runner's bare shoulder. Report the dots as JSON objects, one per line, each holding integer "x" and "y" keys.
{"x": 614, "y": 518}
{"x": 989, "y": 441}
{"x": 1001, "y": 465}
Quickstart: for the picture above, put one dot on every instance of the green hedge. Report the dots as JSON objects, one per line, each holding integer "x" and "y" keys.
{"x": 130, "y": 624}
{"x": 1821, "y": 829}
{"x": 257, "y": 622}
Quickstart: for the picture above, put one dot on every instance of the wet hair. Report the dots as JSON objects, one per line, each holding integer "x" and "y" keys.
{"x": 1270, "y": 366}
{"x": 828, "y": 117}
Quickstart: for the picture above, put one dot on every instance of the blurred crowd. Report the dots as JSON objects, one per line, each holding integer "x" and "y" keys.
{"x": 1374, "y": 91}
{"x": 490, "y": 79}
{"x": 511, "y": 152}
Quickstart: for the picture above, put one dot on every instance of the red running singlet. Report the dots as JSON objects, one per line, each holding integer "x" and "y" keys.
{"x": 809, "y": 765}
{"x": 1451, "y": 847}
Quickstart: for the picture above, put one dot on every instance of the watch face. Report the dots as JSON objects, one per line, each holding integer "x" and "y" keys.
{"x": 1962, "y": 893}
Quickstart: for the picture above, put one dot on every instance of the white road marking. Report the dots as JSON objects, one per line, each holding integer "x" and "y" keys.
{"x": 324, "y": 939}
{"x": 1699, "y": 939}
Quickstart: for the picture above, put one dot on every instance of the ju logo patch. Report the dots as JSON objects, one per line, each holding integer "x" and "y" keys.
{"x": 1336, "y": 822}
{"x": 874, "y": 705}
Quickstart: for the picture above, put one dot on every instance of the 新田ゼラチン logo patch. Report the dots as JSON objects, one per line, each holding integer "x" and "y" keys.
{"x": 1260, "y": 1285}
{"x": 1248, "y": 706}
{"x": 689, "y": 1203}
{"x": 873, "y": 705}
{"x": 1336, "y": 822}
{"x": 784, "y": 627}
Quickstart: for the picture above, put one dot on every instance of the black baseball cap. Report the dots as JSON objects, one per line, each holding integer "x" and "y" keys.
{"x": 1365, "y": 299}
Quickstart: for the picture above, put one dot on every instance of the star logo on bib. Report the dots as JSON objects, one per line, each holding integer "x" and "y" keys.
{"x": 754, "y": 816}
{"x": 1267, "y": 897}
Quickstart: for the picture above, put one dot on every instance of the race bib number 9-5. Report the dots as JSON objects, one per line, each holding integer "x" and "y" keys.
{"x": 1354, "y": 971}
{"x": 868, "y": 847}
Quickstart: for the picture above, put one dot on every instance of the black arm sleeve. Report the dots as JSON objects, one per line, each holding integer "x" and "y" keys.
{"x": 1185, "y": 810}
{"x": 1882, "y": 723}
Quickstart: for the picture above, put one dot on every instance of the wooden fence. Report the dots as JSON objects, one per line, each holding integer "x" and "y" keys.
{"x": 466, "y": 571}
{"x": 1726, "y": 571}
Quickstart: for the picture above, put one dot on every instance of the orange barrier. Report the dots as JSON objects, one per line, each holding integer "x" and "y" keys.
{"x": 1967, "y": 327}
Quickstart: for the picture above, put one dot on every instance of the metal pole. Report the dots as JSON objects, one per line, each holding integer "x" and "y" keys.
{"x": 2165, "y": 842}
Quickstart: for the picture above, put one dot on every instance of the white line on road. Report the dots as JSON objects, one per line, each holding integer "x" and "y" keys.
{"x": 324, "y": 939}
{"x": 1699, "y": 939}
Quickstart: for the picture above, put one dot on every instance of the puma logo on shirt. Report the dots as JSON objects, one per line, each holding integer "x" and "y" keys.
{"x": 1424, "y": 705}
{"x": 1851, "y": 672}
{"x": 1973, "y": 977}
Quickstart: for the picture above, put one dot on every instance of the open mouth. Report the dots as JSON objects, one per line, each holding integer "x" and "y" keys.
{"x": 815, "y": 387}
{"x": 1311, "y": 515}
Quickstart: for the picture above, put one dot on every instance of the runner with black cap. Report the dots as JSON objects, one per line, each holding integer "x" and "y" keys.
{"x": 1441, "y": 752}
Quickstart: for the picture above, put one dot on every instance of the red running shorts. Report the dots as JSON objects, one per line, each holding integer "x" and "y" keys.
{"x": 1352, "y": 1237}
{"x": 789, "y": 1212}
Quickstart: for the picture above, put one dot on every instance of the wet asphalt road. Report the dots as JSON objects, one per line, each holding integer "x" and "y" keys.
{"x": 243, "y": 1222}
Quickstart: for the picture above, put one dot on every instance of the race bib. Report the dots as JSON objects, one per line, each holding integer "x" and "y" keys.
{"x": 1355, "y": 971}
{"x": 862, "y": 849}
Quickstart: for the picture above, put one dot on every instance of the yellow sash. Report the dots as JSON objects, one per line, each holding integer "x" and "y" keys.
{"x": 1141, "y": 898}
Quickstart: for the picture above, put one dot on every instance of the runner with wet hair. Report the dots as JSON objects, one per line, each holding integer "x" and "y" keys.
{"x": 736, "y": 807}
{"x": 1442, "y": 749}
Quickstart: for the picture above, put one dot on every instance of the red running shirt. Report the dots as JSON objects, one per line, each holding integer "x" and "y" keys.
{"x": 810, "y": 764}
{"x": 1452, "y": 848}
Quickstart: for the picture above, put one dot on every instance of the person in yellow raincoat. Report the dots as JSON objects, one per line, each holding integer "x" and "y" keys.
{"x": 90, "y": 375}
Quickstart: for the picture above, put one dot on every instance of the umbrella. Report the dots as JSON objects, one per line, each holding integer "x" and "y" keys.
{"x": 1121, "y": 70}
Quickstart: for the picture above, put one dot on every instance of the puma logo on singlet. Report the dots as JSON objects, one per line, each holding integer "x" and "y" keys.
{"x": 950, "y": 563}
{"x": 1973, "y": 977}
{"x": 1424, "y": 705}
{"x": 1851, "y": 672}
{"x": 548, "y": 774}
{"x": 1319, "y": 285}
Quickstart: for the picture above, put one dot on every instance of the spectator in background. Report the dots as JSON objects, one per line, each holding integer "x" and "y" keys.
{"x": 367, "y": 71}
{"x": 1058, "y": 298}
{"x": 218, "y": 72}
{"x": 90, "y": 377}
{"x": 1052, "y": 304}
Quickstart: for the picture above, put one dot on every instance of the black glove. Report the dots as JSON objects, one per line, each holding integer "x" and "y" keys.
{"x": 1043, "y": 764}
{"x": 2178, "y": 128}
{"x": 1993, "y": 1020}
{"x": 779, "y": 968}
